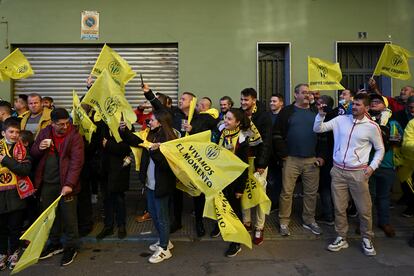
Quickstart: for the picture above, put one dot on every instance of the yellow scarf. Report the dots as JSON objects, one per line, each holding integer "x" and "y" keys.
{"x": 8, "y": 179}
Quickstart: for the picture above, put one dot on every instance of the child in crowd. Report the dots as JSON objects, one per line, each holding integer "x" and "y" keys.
{"x": 14, "y": 163}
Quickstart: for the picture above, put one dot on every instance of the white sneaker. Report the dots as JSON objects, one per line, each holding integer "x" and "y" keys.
{"x": 368, "y": 247}
{"x": 154, "y": 246}
{"x": 338, "y": 244}
{"x": 160, "y": 255}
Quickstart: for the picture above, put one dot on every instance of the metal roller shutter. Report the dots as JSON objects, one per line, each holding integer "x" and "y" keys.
{"x": 61, "y": 68}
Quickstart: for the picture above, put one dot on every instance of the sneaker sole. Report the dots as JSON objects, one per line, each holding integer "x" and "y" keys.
{"x": 369, "y": 254}
{"x": 71, "y": 261}
{"x": 51, "y": 254}
{"x": 159, "y": 261}
{"x": 344, "y": 246}
{"x": 233, "y": 255}
{"x": 310, "y": 229}
{"x": 215, "y": 236}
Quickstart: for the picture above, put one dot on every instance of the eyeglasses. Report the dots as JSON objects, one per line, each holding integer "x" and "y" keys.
{"x": 61, "y": 125}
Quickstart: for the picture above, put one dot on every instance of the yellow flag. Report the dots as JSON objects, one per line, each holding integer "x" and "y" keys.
{"x": 393, "y": 62}
{"x": 196, "y": 161}
{"x": 81, "y": 119}
{"x": 323, "y": 75}
{"x": 109, "y": 101}
{"x": 37, "y": 234}
{"x": 3, "y": 77}
{"x": 193, "y": 104}
{"x": 137, "y": 151}
{"x": 15, "y": 66}
{"x": 118, "y": 68}
{"x": 231, "y": 228}
{"x": 254, "y": 193}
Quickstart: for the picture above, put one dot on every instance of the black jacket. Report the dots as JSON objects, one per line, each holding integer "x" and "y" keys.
{"x": 280, "y": 131}
{"x": 115, "y": 175}
{"x": 263, "y": 122}
{"x": 164, "y": 177}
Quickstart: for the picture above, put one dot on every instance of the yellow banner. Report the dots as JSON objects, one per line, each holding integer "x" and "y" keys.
{"x": 81, "y": 119}
{"x": 254, "y": 192}
{"x": 231, "y": 228}
{"x": 118, "y": 68}
{"x": 109, "y": 101}
{"x": 393, "y": 62}
{"x": 37, "y": 234}
{"x": 198, "y": 162}
{"x": 15, "y": 66}
{"x": 137, "y": 151}
{"x": 323, "y": 75}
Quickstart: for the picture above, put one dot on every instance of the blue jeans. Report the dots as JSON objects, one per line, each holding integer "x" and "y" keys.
{"x": 159, "y": 211}
{"x": 380, "y": 184}
{"x": 114, "y": 203}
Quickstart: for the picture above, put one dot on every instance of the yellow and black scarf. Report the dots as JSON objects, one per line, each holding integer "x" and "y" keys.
{"x": 8, "y": 180}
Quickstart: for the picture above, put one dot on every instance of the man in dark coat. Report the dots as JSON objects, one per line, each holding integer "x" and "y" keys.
{"x": 60, "y": 154}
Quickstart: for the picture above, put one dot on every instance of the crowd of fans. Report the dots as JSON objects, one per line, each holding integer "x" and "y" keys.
{"x": 351, "y": 155}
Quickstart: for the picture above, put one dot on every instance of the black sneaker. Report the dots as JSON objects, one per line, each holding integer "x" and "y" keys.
{"x": 216, "y": 232}
{"x": 106, "y": 231}
{"x": 68, "y": 256}
{"x": 50, "y": 251}
{"x": 175, "y": 227}
{"x": 200, "y": 229}
{"x": 122, "y": 232}
{"x": 233, "y": 250}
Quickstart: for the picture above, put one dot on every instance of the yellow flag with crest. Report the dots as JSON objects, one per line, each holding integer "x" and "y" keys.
{"x": 109, "y": 101}
{"x": 196, "y": 161}
{"x": 15, "y": 66}
{"x": 393, "y": 62}
{"x": 323, "y": 75}
{"x": 117, "y": 67}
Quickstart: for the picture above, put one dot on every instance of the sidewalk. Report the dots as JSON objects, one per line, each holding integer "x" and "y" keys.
{"x": 404, "y": 227}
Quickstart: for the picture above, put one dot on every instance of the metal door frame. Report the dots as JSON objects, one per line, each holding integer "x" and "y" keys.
{"x": 361, "y": 42}
{"x": 288, "y": 79}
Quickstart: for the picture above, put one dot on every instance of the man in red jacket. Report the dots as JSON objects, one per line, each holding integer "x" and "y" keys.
{"x": 59, "y": 151}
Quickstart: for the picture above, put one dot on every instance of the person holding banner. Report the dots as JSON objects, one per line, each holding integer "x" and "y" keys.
{"x": 158, "y": 178}
{"x": 59, "y": 150}
{"x": 235, "y": 137}
{"x": 14, "y": 161}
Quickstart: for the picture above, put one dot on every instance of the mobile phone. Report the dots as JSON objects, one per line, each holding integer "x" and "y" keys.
{"x": 326, "y": 109}
{"x": 142, "y": 80}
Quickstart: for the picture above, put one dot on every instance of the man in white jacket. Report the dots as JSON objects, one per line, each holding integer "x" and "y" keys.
{"x": 354, "y": 136}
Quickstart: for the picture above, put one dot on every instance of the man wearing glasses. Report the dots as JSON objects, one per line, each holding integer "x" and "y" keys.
{"x": 59, "y": 152}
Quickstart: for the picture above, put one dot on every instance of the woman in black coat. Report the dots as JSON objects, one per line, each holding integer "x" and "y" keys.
{"x": 158, "y": 178}
{"x": 115, "y": 182}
